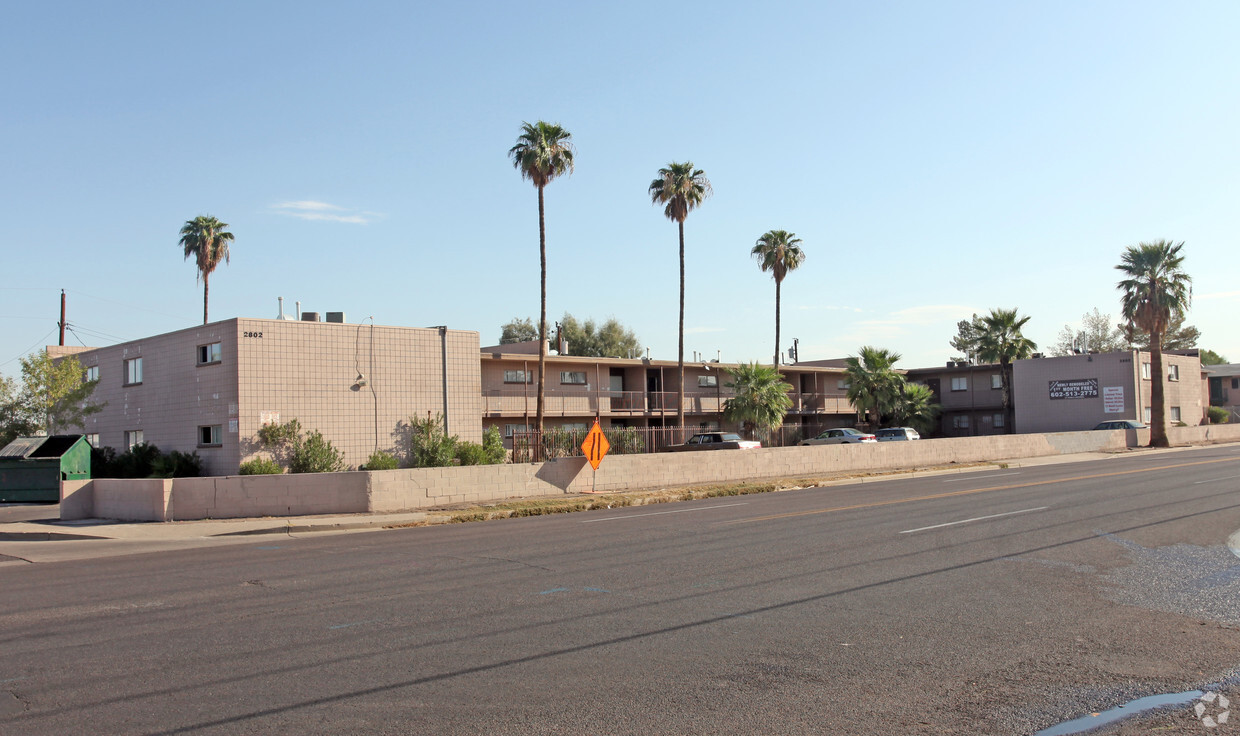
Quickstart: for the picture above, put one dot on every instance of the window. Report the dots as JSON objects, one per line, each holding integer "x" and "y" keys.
{"x": 92, "y": 440}
{"x": 92, "y": 373}
{"x": 1145, "y": 371}
{"x": 133, "y": 437}
{"x": 1173, "y": 373}
{"x": 208, "y": 436}
{"x": 133, "y": 372}
{"x": 1175, "y": 414}
{"x": 996, "y": 380}
{"x": 510, "y": 429}
{"x": 841, "y": 384}
{"x": 518, "y": 376}
{"x": 960, "y": 421}
{"x": 960, "y": 383}
{"x": 577, "y": 378}
{"x": 209, "y": 353}
{"x": 1235, "y": 383}
{"x": 998, "y": 420}
{"x": 1148, "y": 416}
{"x": 578, "y": 428}
{"x": 708, "y": 381}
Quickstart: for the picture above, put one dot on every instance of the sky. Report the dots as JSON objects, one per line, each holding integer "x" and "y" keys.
{"x": 936, "y": 160}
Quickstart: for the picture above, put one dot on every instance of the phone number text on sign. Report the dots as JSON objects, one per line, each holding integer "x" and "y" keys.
{"x": 1081, "y": 388}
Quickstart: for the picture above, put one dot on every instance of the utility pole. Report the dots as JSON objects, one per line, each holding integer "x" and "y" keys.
{"x": 62, "y": 318}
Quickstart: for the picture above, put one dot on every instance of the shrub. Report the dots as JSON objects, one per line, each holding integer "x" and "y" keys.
{"x": 625, "y": 441}
{"x": 380, "y": 460}
{"x": 1218, "y": 415}
{"x": 429, "y": 445}
{"x": 261, "y": 466}
{"x": 315, "y": 454}
{"x": 493, "y": 446}
{"x": 177, "y": 464}
{"x": 471, "y": 453}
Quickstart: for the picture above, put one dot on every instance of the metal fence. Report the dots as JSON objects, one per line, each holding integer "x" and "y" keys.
{"x": 557, "y": 442}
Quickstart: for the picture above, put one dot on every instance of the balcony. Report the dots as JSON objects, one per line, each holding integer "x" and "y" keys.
{"x": 589, "y": 402}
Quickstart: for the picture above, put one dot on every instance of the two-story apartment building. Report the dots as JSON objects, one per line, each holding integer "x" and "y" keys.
{"x": 1223, "y": 387}
{"x": 971, "y": 397}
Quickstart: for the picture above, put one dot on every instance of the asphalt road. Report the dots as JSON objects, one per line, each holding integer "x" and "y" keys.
{"x": 999, "y": 602}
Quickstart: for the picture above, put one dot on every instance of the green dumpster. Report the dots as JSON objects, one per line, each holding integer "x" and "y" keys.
{"x": 31, "y": 468}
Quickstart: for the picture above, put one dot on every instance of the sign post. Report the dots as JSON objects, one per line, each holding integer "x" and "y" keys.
{"x": 595, "y": 447}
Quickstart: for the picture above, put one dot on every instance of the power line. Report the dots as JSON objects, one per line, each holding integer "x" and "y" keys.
{"x": 32, "y": 347}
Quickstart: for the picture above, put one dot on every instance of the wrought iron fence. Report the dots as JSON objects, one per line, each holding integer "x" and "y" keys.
{"x": 558, "y": 442}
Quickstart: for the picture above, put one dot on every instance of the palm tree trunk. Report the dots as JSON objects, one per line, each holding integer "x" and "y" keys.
{"x": 680, "y": 346}
{"x": 1005, "y": 377}
{"x": 776, "y": 363}
{"x": 205, "y": 289}
{"x": 542, "y": 319}
{"x": 1158, "y": 408}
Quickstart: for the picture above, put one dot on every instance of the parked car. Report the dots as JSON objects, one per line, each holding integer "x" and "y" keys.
{"x": 715, "y": 441}
{"x": 1121, "y": 424}
{"x": 840, "y": 436}
{"x": 897, "y": 434}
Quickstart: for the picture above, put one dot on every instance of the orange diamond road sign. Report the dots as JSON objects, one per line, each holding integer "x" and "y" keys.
{"x": 595, "y": 445}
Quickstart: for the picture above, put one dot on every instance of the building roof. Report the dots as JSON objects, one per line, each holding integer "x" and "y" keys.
{"x": 1224, "y": 369}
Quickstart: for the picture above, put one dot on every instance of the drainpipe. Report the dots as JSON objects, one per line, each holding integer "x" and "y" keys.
{"x": 443, "y": 345}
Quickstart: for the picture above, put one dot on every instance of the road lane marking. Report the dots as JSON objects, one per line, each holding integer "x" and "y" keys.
{"x": 979, "y": 477}
{"x": 660, "y": 513}
{"x": 976, "y": 518}
{"x": 1216, "y": 480}
{"x": 972, "y": 491}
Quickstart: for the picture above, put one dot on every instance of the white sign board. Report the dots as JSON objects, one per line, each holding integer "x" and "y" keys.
{"x": 1113, "y": 399}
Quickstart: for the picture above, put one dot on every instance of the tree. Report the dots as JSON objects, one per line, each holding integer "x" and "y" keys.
{"x": 874, "y": 386}
{"x": 681, "y": 189}
{"x": 1001, "y": 342}
{"x": 518, "y": 330}
{"x": 761, "y": 397}
{"x": 1097, "y": 334}
{"x": 779, "y": 252}
{"x": 612, "y": 339}
{"x": 916, "y": 408}
{"x": 1209, "y": 357}
{"x": 965, "y": 341}
{"x": 54, "y": 397}
{"x": 206, "y": 239}
{"x": 1177, "y": 336}
{"x": 1154, "y": 290}
{"x": 543, "y": 153}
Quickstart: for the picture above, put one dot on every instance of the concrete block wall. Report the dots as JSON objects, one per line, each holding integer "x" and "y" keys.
{"x": 423, "y": 488}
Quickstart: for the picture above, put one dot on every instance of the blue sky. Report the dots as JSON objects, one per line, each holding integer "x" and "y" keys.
{"x": 936, "y": 159}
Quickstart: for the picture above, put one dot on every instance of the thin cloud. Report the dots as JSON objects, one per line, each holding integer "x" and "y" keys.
{"x": 308, "y": 209}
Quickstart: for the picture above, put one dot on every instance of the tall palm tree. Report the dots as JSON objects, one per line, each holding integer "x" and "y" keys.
{"x": 542, "y": 153}
{"x": 1155, "y": 291}
{"x": 779, "y": 252}
{"x": 206, "y": 239}
{"x": 1000, "y": 341}
{"x": 873, "y": 383}
{"x": 681, "y": 189}
{"x": 761, "y": 397}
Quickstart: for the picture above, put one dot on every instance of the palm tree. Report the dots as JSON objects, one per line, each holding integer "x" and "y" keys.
{"x": 206, "y": 239}
{"x": 542, "y": 153}
{"x": 1000, "y": 341}
{"x": 779, "y": 252}
{"x": 873, "y": 383}
{"x": 681, "y": 188}
{"x": 761, "y": 397}
{"x": 916, "y": 408}
{"x": 1155, "y": 291}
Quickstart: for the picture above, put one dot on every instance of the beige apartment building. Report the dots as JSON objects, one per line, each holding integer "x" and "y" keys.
{"x": 639, "y": 392}
{"x": 1223, "y": 388}
{"x": 971, "y": 397}
{"x": 1078, "y": 391}
{"x": 208, "y": 389}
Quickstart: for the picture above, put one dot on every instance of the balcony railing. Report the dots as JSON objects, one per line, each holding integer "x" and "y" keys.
{"x": 583, "y": 402}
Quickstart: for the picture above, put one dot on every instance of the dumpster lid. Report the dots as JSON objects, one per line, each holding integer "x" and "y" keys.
{"x": 22, "y": 446}
{"x": 56, "y": 445}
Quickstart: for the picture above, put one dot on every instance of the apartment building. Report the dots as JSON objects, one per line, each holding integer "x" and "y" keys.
{"x": 639, "y": 392}
{"x": 971, "y": 397}
{"x": 1223, "y": 387}
{"x": 1078, "y": 391}
{"x": 208, "y": 389}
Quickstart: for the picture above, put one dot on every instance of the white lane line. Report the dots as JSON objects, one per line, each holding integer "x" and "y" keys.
{"x": 978, "y": 518}
{"x": 1216, "y": 480}
{"x": 660, "y": 513}
{"x": 979, "y": 477}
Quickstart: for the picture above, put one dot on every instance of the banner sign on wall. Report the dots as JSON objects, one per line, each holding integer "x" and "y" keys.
{"x": 1113, "y": 399}
{"x": 1079, "y": 388}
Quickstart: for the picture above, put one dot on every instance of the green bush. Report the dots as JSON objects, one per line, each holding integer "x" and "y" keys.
{"x": 143, "y": 461}
{"x": 471, "y": 453}
{"x": 177, "y": 464}
{"x": 1218, "y": 415}
{"x": 261, "y": 466}
{"x": 380, "y": 460}
{"x": 493, "y": 446}
{"x": 315, "y": 454}
{"x": 625, "y": 441}
{"x": 429, "y": 445}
